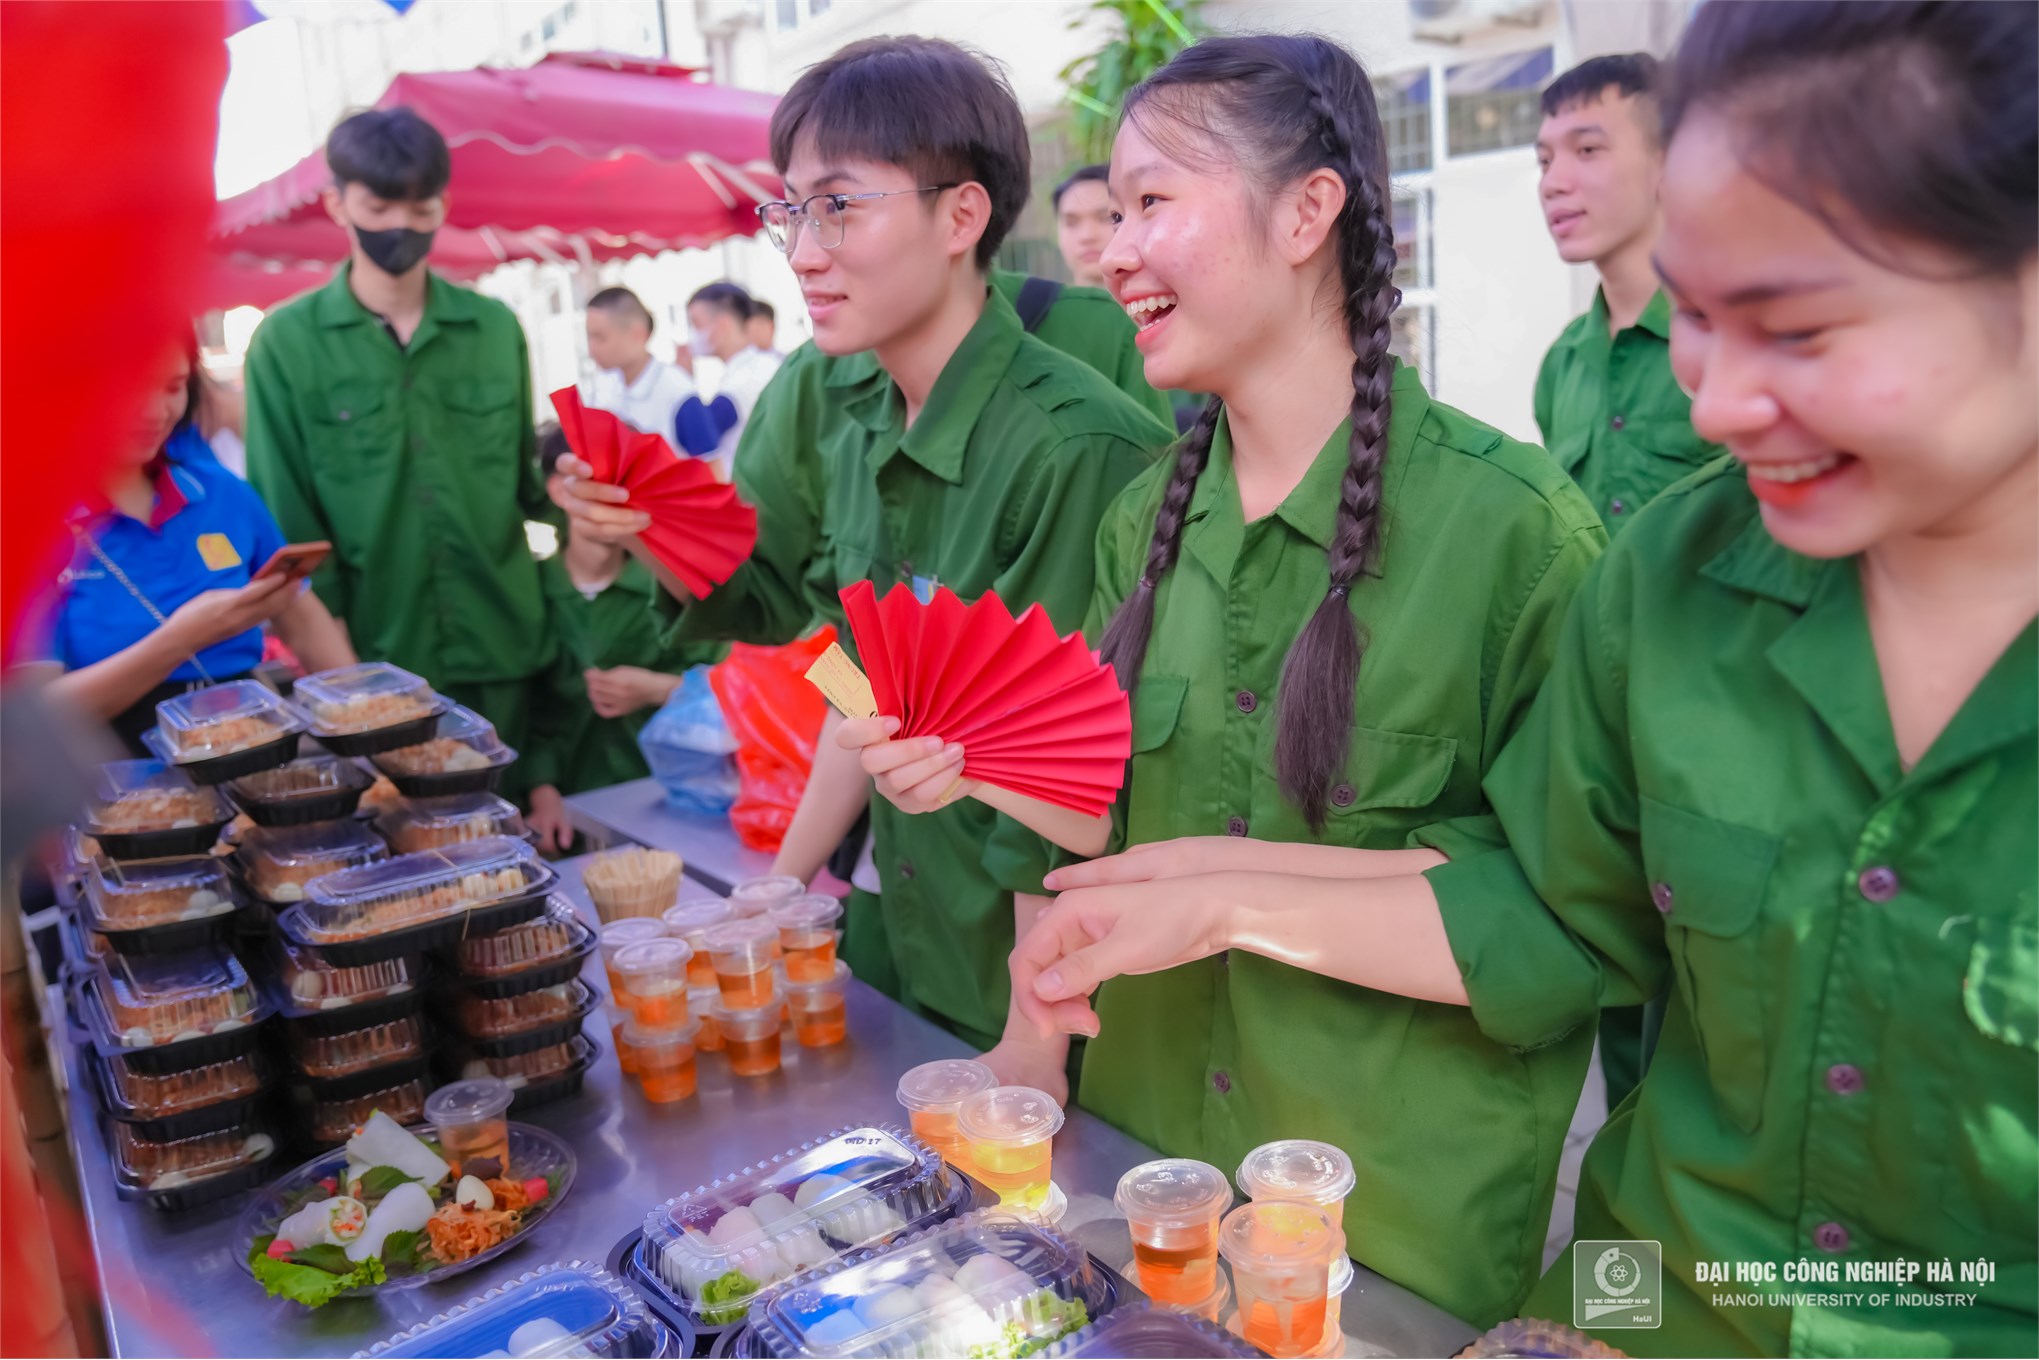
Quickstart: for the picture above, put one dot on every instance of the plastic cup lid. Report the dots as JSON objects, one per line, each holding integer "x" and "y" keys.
{"x": 756, "y": 894}
{"x": 646, "y": 1036}
{"x": 745, "y": 936}
{"x": 1174, "y": 1192}
{"x": 468, "y": 1102}
{"x": 945, "y": 1084}
{"x": 1276, "y": 1237}
{"x": 750, "y": 1015}
{"x": 839, "y": 975}
{"x": 1296, "y": 1168}
{"x": 1341, "y": 1275}
{"x": 698, "y": 913}
{"x": 1013, "y": 1115}
{"x": 811, "y": 912}
{"x": 655, "y": 955}
{"x": 618, "y": 935}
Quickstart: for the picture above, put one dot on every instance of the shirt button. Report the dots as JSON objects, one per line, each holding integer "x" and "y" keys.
{"x": 1878, "y": 883}
{"x": 1662, "y": 897}
{"x": 1617, "y": 422}
{"x": 1235, "y": 826}
{"x": 1617, "y": 506}
{"x": 1222, "y": 1082}
{"x": 1844, "y": 1079}
{"x": 1831, "y": 1237}
{"x": 1343, "y": 796}
{"x": 906, "y": 869}
{"x": 346, "y": 416}
{"x": 1245, "y": 700}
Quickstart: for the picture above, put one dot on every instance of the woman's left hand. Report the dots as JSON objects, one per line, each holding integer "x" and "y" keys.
{"x": 549, "y": 819}
{"x": 917, "y": 775}
{"x": 1092, "y": 935}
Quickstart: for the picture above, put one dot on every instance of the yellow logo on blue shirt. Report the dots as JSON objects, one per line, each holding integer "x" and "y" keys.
{"x": 217, "y": 552}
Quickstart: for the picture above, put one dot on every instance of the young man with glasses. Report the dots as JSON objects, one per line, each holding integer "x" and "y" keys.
{"x": 977, "y": 458}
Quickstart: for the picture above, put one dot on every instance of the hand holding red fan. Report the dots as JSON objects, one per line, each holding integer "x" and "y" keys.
{"x": 699, "y": 529}
{"x": 1037, "y": 714}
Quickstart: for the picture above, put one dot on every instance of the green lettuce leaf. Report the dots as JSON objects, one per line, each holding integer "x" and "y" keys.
{"x": 408, "y": 1253}
{"x": 378, "y": 1181}
{"x": 726, "y": 1298}
{"x": 308, "y": 1284}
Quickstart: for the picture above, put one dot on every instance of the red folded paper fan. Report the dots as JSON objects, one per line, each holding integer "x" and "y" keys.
{"x": 699, "y": 529}
{"x": 1035, "y": 713}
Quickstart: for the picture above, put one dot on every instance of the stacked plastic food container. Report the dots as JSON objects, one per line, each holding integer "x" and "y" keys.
{"x": 514, "y": 999}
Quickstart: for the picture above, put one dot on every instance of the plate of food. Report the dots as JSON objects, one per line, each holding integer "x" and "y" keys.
{"x": 389, "y": 1210}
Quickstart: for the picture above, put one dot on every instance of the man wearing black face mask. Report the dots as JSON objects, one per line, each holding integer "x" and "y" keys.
{"x": 390, "y": 412}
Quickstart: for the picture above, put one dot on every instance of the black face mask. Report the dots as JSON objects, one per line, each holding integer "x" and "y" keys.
{"x": 395, "y": 251}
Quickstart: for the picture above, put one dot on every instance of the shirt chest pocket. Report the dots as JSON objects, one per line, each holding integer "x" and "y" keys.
{"x": 1157, "y": 709}
{"x": 1390, "y": 770}
{"x": 358, "y": 425}
{"x": 1708, "y": 879}
{"x": 480, "y": 422}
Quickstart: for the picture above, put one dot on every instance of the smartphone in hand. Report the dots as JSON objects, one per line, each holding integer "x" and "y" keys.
{"x": 295, "y": 561}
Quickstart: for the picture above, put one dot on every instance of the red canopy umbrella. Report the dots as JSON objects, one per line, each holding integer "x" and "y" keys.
{"x": 581, "y": 143}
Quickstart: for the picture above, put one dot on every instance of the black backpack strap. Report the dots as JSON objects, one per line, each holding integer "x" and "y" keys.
{"x": 1036, "y": 296}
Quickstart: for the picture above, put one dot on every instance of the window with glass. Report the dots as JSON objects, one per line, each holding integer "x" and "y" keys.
{"x": 1404, "y": 102}
{"x": 1492, "y": 105}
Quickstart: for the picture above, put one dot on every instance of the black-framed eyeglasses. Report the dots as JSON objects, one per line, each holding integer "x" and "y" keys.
{"x": 783, "y": 220}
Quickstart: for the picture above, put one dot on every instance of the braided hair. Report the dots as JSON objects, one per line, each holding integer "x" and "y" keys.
{"x": 1286, "y": 106}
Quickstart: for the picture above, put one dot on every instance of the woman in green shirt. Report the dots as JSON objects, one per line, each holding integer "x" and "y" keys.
{"x": 1785, "y": 763}
{"x": 1331, "y": 607}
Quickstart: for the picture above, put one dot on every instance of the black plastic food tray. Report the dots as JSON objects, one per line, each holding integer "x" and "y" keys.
{"x": 550, "y": 973}
{"x": 254, "y": 760}
{"x": 369, "y": 1079}
{"x": 417, "y": 939}
{"x": 409, "y": 732}
{"x": 208, "y": 1191}
{"x": 449, "y": 782}
{"x": 558, "y": 1086}
{"x": 225, "y": 1114}
{"x": 323, "y": 1020}
{"x": 544, "y": 1036}
{"x": 691, "y": 1337}
{"x": 171, "y": 937}
{"x": 303, "y": 809}
{"x": 167, "y": 843}
{"x": 180, "y": 1054}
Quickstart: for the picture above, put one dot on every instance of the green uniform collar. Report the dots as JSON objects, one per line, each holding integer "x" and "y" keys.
{"x": 1655, "y": 318}
{"x": 1216, "y": 521}
{"x": 445, "y": 304}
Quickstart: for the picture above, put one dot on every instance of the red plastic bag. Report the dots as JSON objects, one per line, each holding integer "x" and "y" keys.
{"x": 775, "y": 716}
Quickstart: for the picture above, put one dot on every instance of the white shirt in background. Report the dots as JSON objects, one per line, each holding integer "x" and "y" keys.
{"x": 743, "y": 378}
{"x": 649, "y": 404}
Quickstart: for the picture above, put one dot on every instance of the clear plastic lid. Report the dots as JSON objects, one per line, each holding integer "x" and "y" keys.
{"x": 1297, "y": 1168}
{"x": 660, "y": 964}
{"x": 464, "y": 740}
{"x": 280, "y": 861}
{"x": 618, "y": 936}
{"x": 748, "y": 938}
{"x": 482, "y": 1017}
{"x": 429, "y": 823}
{"x": 131, "y": 796}
{"x": 573, "y": 1309}
{"x": 717, "y": 1246}
{"x": 185, "y": 1161}
{"x": 157, "y": 1095}
{"x": 300, "y": 781}
{"x": 552, "y": 936}
{"x": 334, "y": 1121}
{"x": 643, "y": 1037}
{"x": 469, "y": 1102}
{"x": 814, "y": 993}
{"x": 756, "y": 896}
{"x": 222, "y": 719}
{"x": 1144, "y": 1333}
{"x": 749, "y": 1023}
{"x": 428, "y": 885}
{"x": 943, "y": 1085}
{"x": 984, "y": 1285}
{"x": 154, "y": 892}
{"x": 1013, "y": 1116}
{"x": 1279, "y": 1238}
{"x": 160, "y": 999}
{"x": 326, "y": 1056}
{"x": 1174, "y": 1192}
{"x": 365, "y": 697}
{"x": 809, "y": 912}
{"x": 695, "y": 916}
{"x": 314, "y": 984}
{"x": 525, "y": 1068}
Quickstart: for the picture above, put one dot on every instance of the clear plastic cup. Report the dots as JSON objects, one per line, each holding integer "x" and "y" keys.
{"x": 1299, "y": 1169}
{"x": 473, "y": 1120}
{"x": 1281, "y": 1253}
{"x": 755, "y": 897}
{"x": 1173, "y": 1207}
{"x": 820, "y": 1009}
{"x": 1010, "y": 1130}
{"x": 618, "y": 936}
{"x": 705, "y": 1004}
{"x": 807, "y": 928}
{"x": 665, "y": 1060}
{"x": 742, "y": 953}
{"x": 751, "y": 1038}
{"x": 692, "y": 919}
{"x": 932, "y": 1093}
{"x": 626, "y": 1056}
{"x": 1334, "y": 1308}
{"x": 653, "y": 974}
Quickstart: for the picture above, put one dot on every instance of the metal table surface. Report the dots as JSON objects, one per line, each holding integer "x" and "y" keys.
{"x": 172, "y": 1284}
{"x": 639, "y": 811}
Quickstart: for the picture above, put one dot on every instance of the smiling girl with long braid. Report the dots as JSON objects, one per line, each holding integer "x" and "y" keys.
{"x": 1331, "y": 607}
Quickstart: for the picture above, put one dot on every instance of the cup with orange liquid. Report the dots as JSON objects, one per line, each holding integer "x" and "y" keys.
{"x": 933, "y": 1092}
{"x": 1299, "y": 1169}
{"x": 1334, "y": 1308}
{"x": 653, "y": 974}
{"x": 820, "y": 1007}
{"x": 807, "y": 936}
{"x": 704, "y": 1003}
{"x": 665, "y": 1060}
{"x": 1173, "y": 1208}
{"x": 1010, "y": 1130}
{"x": 751, "y": 1038}
{"x": 756, "y": 896}
{"x": 1281, "y": 1253}
{"x": 618, "y": 936}
{"x": 626, "y": 1056}
{"x": 741, "y": 951}
{"x": 690, "y": 920}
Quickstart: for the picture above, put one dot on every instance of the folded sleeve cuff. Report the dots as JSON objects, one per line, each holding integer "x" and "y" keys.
{"x": 1530, "y": 983}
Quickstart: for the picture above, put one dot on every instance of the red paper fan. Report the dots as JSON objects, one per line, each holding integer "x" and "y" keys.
{"x": 1035, "y": 713}
{"x": 699, "y": 529}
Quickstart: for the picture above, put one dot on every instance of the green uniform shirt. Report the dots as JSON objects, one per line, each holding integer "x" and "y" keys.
{"x": 1612, "y": 414}
{"x": 419, "y": 464}
{"x": 1454, "y": 1138}
{"x": 998, "y": 485}
{"x": 1708, "y": 796}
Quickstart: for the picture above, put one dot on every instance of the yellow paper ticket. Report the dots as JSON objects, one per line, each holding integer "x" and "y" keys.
{"x": 842, "y": 684}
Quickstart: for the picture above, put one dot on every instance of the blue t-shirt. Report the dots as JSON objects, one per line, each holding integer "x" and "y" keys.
{"x": 217, "y": 541}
